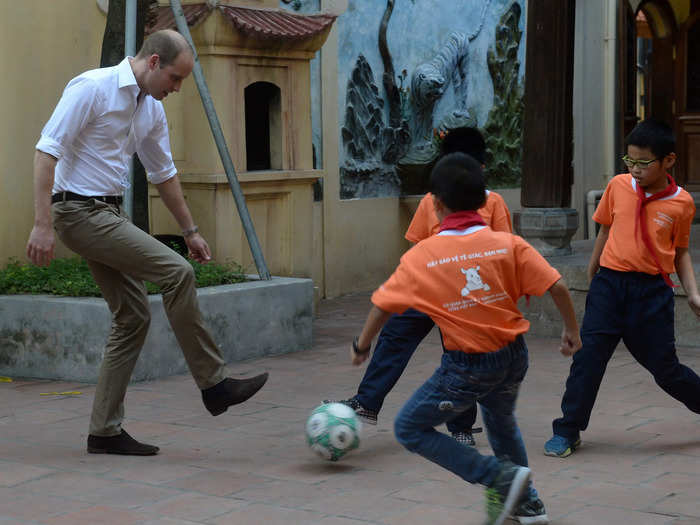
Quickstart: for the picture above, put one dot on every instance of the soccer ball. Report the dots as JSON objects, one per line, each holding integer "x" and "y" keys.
{"x": 333, "y": 430}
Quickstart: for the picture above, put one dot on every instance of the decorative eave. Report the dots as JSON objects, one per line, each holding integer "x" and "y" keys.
{"x": 165, "y": 19}
{"x": 274, "y": 25}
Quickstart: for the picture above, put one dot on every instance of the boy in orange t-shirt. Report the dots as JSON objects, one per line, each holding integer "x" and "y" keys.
{"x": 403, "y": 333}
{"x": 425, "y": 223}
{"x": 644, "y": 236}
{"x": 468, "y": 279}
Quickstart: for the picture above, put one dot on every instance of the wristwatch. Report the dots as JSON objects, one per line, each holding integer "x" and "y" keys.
{"x": 190, "y": 231}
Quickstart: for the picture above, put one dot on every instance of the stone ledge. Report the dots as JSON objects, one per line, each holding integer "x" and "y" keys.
{"x": 544, "y": 317}
{"x": 63, "y": 337}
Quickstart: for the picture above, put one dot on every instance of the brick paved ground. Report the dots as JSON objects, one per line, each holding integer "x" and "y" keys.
{"x": 640, "y": 462}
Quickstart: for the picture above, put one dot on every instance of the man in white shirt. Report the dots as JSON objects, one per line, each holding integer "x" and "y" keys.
{"x": 80, "y": 173}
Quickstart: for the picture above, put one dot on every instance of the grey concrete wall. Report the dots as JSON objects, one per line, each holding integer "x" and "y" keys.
{"x": 63, "y": 338}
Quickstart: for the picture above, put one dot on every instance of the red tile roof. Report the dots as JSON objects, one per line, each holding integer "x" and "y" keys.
{"x": 166, "y": 20}
{"x": 275, "y": 24}
{"x": 269, "y": 24}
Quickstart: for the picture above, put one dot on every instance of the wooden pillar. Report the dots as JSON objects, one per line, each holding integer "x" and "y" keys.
{"x": 547, "y": 172}
{"x": 547, "y": 220}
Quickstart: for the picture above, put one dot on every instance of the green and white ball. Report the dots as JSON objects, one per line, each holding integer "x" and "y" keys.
{"x": 333, "y": 430}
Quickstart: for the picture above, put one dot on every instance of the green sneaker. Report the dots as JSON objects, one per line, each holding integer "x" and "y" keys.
{"x": 505, "y": 493}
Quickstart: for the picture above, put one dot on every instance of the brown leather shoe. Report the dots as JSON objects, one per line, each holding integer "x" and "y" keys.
{"x": 120, "y": 444}
{"x": 230, "y": 392}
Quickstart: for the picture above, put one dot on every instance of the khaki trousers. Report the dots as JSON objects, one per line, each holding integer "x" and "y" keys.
{"x": 121, "y": 256}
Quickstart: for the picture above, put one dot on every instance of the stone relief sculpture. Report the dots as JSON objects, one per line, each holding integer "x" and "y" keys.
{"x": 429, "y": 82}
{"x": 503, "y": 128}
{"x": 396, "y": 136}
{"x": 389, "y": 150}
{"x": 364, "y": 133}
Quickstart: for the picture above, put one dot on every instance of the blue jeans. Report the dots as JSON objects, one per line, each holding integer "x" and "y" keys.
{"x": 396, "y": 344}
{"x": 636, "y": 308}
{"x": 492, "y": 380}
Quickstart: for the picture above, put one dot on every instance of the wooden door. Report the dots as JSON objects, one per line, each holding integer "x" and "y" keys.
{"x": 688, "y": 104}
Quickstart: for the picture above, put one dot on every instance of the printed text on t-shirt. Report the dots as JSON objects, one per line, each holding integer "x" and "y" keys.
{"x": 466, "y": 257}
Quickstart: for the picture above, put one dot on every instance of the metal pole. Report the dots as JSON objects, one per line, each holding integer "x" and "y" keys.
{"x": 216, "y": 130}
{"x": 130, "y": 50}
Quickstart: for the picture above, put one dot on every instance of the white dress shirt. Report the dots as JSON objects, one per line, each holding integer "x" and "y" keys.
{"x": 96, "y": 128}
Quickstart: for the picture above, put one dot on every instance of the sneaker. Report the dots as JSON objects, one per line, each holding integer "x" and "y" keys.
{"x": 465, "y": 438}
{"x": 561, "y": 447}
{"x": 365, "y": 414}
{"x": 531, "y": 512}
{"x": 504, "y": 494}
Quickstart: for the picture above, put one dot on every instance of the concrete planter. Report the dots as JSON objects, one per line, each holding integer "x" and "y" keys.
{"x": 63, "y": 337}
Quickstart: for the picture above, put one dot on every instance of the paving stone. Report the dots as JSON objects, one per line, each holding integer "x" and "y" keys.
{"x": 639, "y": 463}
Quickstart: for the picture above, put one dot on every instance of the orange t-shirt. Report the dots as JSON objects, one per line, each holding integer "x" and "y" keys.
{"x": 668, "y": 221}
{"x": 469, "y": 283}
{"x": 425, "y": 223}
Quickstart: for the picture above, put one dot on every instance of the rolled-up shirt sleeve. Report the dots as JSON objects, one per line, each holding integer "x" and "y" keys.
{"x": 154, "y": 151}
{"x": 78, "y": 105}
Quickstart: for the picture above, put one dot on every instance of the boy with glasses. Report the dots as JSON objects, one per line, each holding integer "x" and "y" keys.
{"x": 645, "y": 231}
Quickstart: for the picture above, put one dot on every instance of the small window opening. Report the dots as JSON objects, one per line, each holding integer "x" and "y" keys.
{"x": 263, "y": 126}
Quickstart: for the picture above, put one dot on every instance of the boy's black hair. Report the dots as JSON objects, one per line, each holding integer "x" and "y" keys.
{"x": 458, "y": 181}
{"x": 465, "y": 140}
{"x": 653, "y": 134}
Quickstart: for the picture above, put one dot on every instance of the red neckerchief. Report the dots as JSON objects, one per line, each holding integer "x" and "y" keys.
{"x": 642, "y": 200}
{"x": 461, "y": 220}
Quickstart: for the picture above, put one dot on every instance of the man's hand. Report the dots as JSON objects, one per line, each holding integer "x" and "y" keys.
{"x": 41, "y": 243}
{"x": 570, "y": 342}
{"x": 40, "y": 246}
{"x": 198, "y": 248}
{"x": 694, "y": 303}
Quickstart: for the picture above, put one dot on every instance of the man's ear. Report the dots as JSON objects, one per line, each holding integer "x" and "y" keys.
{"x": 153, "y": 62}
{"x": 669, "y": 160}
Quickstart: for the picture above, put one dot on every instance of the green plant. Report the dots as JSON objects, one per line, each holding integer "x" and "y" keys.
{"x": 71, "y": 277}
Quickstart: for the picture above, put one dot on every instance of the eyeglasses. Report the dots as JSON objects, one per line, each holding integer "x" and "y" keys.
{"x": 643, "y": 164}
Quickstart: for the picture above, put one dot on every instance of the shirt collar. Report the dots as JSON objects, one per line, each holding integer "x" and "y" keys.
{"x": 471, "y": 229}
{"x": 126, "y": 74}
{"x": 634, "y": 187}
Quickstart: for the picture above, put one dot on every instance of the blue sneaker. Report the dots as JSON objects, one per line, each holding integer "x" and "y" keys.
{"x": 561, "y": 447}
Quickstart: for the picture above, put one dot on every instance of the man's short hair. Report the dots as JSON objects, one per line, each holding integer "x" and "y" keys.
{"x": 458, "y": 181}
{"x": 653, "y": 134}
{"x": 167, "y": 44}
{"x": 465, "y": 140}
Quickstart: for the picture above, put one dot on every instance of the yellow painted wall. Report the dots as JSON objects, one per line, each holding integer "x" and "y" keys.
{"x": 43, "y": 44}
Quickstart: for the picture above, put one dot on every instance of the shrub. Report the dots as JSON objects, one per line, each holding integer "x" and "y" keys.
{"x": 71, "y": 277}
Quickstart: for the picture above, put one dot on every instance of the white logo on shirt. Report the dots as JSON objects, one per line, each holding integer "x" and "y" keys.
{"x": 474, "y": 281}
{"x": 663, "y": 220}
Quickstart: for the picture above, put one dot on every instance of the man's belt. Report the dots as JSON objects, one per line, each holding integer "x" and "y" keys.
{"x": 70, "y": 196}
